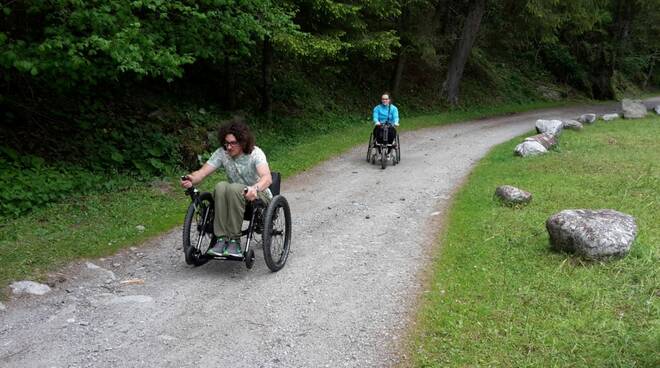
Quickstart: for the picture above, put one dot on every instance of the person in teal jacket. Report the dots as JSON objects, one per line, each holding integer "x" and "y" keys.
{"x": 385, "y": 113}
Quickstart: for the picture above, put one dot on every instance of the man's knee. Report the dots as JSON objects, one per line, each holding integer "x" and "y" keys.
{"x": 221, "y": 187}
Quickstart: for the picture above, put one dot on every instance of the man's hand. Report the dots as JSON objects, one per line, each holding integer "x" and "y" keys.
{"x": 186, "y": 181}
{"x": 251, "y": 193}
{"x": 378, "y": 123}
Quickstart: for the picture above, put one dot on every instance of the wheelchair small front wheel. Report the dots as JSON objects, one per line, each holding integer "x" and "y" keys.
{"x": 249, "y": 258}
{"x": 398, "y": 150}
{"x": 277, "y": 233}
{"x": 370, "y": 146}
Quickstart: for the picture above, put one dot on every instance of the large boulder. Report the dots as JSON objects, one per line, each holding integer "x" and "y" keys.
{"x": 549, "y": 126}
{"x": 587, "y": 118}
{"x": 29, "y": 287}
{"x": 512, "y": 196}
{"x": 657, "y": 109}
{"x": 633, "y": 109}
{"x": 572, "y": 124}
{"x": 528, "y": 148}
{"x": 610, "y": 117}
{"x": 547, "y": 140}
{"x": 592, "y": 234}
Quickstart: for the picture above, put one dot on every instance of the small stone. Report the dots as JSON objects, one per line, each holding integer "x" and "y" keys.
{"x": 572, "y": 124}
{"x": 511, "y": 195}
{"x": 116, "y": 264}
{"x": 132, "y": 282}
{"x": 525, "y": 149}
{"x": 140, "y": 228}
{"x": 587, "y": 118}
{"x": 633, "y": 109}
{"x": 2, "y": 307}
{"x": 92, "y": 266}
{"x": 71, "y": 320}
{"x": 131, "y": 299}
{"x": 547, "y": 140}
{"x": 83, "y": 323}
{"x": 552, "y": 127}
{"x": 657, "y": 109}
{"x": 367, "y": 217}
{"x": 610, "y": 117}
{"x": 29, "y": 287}
{"x": 436, "y": 213}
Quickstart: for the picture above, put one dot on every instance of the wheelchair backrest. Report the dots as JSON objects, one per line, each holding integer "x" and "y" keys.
{"x": 275, "y": 185}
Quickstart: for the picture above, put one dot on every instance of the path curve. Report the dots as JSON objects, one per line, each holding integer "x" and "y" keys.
{"x": 361, "y": 236}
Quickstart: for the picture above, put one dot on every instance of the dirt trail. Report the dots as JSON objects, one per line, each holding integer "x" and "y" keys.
{"x": 360, "y": 239}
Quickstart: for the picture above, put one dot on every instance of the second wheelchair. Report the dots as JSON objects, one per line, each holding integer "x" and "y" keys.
{"x": 382, "y": 152}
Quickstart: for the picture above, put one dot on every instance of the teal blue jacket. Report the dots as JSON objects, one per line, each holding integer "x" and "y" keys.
{"x": 383, "y": 114}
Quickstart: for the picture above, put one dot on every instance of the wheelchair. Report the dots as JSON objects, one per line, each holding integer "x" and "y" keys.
{"x": 384, "y": 152}
{"x": 271, "y": 222}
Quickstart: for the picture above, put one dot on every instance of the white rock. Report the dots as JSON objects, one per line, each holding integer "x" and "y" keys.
{"x": 131, "y": 299}
{"x": 572, "y": 124}
{"x": 657, "y": 109}
{"x": 512, "y": 195}
{"x": 553, "y": 126}
{"x": 593, "y": 234}
{"x": 529, "y": 148}
{"x": 587, "y": 118}
{"x": 2, "y": 307}
{"x": 633, "y": 109}
{"x": 92, "y": 266}
{"x": 140, "y": 228}
{"x": 29, "y": 287}
{"x": 610, "y": 117}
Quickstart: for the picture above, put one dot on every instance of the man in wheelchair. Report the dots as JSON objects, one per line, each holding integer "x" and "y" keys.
{"x": 249, "y": 178}
{"x": 385, "y": 114}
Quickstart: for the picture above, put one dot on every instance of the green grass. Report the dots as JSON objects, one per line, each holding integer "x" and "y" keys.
{"x": 498, "y": 296}
{"x": 100, "y": 224}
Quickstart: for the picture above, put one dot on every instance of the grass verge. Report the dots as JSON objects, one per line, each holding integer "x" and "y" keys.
{"x": 498, "y": 296}
{"x": 100, "y": 224}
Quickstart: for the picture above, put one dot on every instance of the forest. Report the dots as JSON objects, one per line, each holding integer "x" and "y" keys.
{"x": 97, "y": 94}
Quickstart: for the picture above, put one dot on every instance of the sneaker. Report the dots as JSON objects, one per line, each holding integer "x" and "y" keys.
{"x": 234, "y": 248}
{"x": 218, "y": 248}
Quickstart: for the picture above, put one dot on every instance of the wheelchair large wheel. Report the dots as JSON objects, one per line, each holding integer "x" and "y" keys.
{"x": 198, "y": 230}
{"x": 370, "y": 147}
{"x": 277, "y": 233}
{"x": 398, "y": 150}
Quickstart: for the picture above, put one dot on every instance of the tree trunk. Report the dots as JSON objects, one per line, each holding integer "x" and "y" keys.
{"x": 267, "y": 78}
{"x": 229, "y": 85}
{"x": 462, "y": 50}
{"x": 398, "y": 72}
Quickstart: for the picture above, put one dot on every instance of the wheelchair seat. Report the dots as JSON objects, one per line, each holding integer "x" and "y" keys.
{"x": 275, "y": 185}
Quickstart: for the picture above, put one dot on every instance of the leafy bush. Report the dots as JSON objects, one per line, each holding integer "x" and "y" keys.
{"x": 28, "y": 182}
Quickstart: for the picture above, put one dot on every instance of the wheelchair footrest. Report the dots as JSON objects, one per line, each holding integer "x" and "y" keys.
{"x": 227, "y": 258}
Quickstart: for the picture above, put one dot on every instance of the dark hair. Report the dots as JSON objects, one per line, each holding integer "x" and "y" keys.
{"x": 240, "y": 130}
{"x": 388, "y": 95}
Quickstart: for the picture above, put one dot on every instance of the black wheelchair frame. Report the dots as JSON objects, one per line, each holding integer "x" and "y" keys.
{"x": 375, "y": 148}
{"x": 272, "y": 221}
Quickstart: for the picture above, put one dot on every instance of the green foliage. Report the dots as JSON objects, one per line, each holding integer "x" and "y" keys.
{"x": 73, "y": 42}
{"x": 28, "y": 182}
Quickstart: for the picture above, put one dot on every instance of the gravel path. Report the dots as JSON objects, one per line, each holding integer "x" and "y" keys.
{"x": 362, "y": 236}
